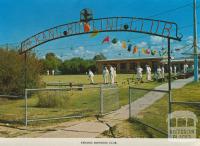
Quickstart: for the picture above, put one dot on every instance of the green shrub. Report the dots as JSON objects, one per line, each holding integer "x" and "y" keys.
{"x": 12, "y": 69}
{"x": 52, "y": 99}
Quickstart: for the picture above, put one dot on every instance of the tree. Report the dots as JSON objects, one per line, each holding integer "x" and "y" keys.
{"x": 12, "y": 69}
{"x": 99, "y": 57}
{"x": 51, "y": 62}
{"x": 77, "y": 65}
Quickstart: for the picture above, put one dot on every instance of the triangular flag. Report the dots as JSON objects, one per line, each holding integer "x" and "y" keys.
{"x": 160, "y": 53}
{"x": 148, "y": 51}
{"x": 164, "y": 53}
{"x": 143, "y": 51}
{"x": 129, "y": 47}
{"x": 86, "y": 27}
{"x": 135, "y": 50}
{"x": 153, "y": 52}
{"x": 114, "y": 41}
{"x": 94, "y": 33}
{"x": 123, "y": 44}
{"x": 163, "y": 49}
{"x": 106, "y": 40}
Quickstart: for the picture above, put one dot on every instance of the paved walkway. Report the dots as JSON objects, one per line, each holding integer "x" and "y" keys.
{"x": 92, "y": 129}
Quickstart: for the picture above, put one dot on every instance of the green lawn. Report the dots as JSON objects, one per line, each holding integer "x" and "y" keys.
{"x": 79, "y": 102}
{"x": 156, "y": 115}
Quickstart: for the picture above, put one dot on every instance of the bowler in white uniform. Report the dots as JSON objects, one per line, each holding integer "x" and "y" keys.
{"x": 91, "y": 77}
{"x": 163, "y": 72}
{"x": 148, "y": 68}
{"x": 112, "y": 75}
{"x": 185, "y": 68}
{"x": 139, "y": 73}
{"x": 115, "y": 74}
{"x": 105, "y": 75}
{"x": 159, "y": 70}
{"x": 175, "y": 73}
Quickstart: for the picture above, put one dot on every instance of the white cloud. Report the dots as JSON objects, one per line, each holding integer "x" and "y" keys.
{"x": 189, "y": 39}
{"x": 118, "y": 45}
{"x": 82, "y": 52}
{"x": 156, "y": 39}
{"x": 142, "y": 44}
{"x": 105, "y": 50}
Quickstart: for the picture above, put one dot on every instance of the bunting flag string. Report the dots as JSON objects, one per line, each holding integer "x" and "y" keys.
{"x": 134, "y": 48}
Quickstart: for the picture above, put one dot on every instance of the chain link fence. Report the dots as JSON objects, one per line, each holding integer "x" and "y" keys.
{"x": 64, "y": 103}
{"x": 177, "y": 118}
{"x": 144, "y": 109}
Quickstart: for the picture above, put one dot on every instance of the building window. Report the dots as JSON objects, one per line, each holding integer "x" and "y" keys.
{"x": 143, "y": 66}
{"x": 133, "y": 66}
{"x": 122, "y": 66}
{"x": 154, "y": 66}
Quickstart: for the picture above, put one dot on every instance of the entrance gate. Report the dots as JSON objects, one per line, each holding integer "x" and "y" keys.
{"x": 88, "y": 24}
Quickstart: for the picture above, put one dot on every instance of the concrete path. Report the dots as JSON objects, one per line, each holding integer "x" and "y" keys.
{"x": 94, "y": 128}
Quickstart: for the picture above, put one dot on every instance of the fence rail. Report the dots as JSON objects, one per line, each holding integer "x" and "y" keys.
{"x": 104, "y": 100}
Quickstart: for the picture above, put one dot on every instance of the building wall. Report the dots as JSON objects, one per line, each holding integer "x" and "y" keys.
{"x": 128, "y": 66}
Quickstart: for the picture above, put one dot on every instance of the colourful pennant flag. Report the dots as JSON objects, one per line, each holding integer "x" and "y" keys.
{"x": 160, "y": 53}
{"x": 129, "y": 47}
{"x": 135, "y": 50}
{"x": 148, "y": 51}
{"x": 164, "y": 52}
{"x": 94, "y": 33}
{"x": 86, "y": 27}
{"x": 153, "y": 52}
{"x": 106, "y": 40}
{"x": 114, "y": 41}
{"x": 123, "y": 44}
{"x": 143, "y": 51}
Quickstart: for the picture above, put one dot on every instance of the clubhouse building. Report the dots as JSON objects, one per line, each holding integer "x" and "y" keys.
{"x": 130, "y": 65}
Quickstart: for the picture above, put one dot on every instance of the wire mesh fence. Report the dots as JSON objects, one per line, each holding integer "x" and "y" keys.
{"x": 152, "y": 111}
{"x": 109, "y": 99}
{"x": 145, "y": 108}
{"x": 61, "y": 103}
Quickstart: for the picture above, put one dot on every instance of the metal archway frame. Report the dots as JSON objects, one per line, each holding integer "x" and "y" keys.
{"x": 159, "y": 28}
{"x": 164, "y": 29}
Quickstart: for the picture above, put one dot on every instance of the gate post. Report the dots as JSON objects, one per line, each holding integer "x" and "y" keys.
{"x": 169, "y": 88}
{"x": 129, "y": 89}
{"x": 26, "y": 108}
{"x": 101, "y": 100}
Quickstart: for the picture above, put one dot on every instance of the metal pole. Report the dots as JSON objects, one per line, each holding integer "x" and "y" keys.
{"x": 25, "y": 70}
{"x": 101, "y": 100}
{"x": 129, "y": 102}
{"x": 196, "y": 67}
{"x": 26, "y": 108}
{"x": 169, "y": 87}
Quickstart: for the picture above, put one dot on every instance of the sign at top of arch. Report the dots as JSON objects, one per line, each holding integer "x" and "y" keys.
{"x": 111, "y": 24}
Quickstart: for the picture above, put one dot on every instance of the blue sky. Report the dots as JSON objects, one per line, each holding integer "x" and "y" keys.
{"x": 23, "y": 18}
